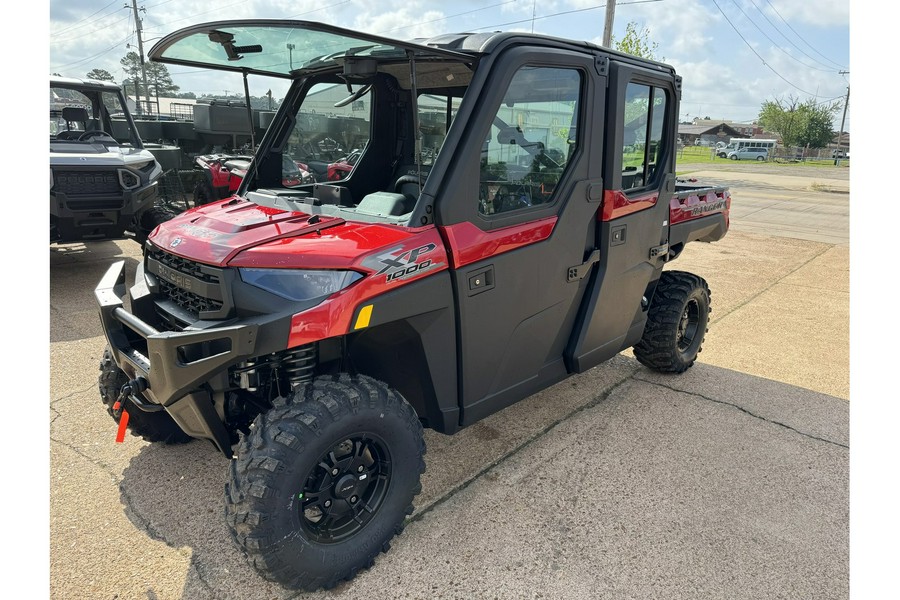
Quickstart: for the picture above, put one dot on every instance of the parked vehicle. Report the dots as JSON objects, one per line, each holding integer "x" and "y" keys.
{"x": 103, "y": 182}
{"x": 222, "y": 175}
{"x": 759, "y": 154}
{"x": 310, "y": 331}
{"x": 745, "y": 144}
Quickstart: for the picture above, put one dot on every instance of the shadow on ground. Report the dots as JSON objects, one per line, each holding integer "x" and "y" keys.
{"x": 618, "y": 482}
{"x": 75, "y": 270}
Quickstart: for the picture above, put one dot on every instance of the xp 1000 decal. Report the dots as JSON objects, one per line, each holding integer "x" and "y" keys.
{"x": 398, "y": 264}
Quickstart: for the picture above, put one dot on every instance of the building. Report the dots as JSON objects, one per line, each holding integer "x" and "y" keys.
{"x": 707, "y": 133}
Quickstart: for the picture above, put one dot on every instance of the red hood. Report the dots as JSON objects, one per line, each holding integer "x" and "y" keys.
{"x": 241, "y": 233}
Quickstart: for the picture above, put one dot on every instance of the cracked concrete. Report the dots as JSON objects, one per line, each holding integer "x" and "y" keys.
{"x": 755, "y": 416}
{"x": 730, "y": 480}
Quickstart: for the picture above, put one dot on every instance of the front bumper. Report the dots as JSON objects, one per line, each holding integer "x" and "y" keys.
{"x": 77, "y": 218}
{"x": 175, "y": 382}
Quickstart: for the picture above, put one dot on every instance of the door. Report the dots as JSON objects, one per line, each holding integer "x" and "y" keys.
{"x": 519, "y": 216}
{"x": 633, "y": 228}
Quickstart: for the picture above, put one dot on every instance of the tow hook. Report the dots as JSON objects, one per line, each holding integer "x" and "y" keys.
{"x": 136, "y": 385}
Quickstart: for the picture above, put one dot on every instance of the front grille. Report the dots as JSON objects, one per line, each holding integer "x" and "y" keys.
{"x": 183, "y": 265}
{"x": 86, "y": 183}
{"x": 189, "y": 300}
{"x": 194, "y": 287}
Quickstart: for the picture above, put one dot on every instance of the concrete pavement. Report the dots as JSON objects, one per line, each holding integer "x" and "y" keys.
{"x": 729, "y": 481}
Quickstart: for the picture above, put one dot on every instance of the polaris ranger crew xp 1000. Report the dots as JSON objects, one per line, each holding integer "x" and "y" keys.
{"x": 505, "y": 226}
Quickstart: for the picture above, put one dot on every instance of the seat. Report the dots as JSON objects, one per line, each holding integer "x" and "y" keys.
{"x": 74, "y": 114}
{"x": 406, "y": 183}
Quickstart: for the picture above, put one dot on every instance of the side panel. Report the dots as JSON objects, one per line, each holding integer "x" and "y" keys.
{"x": 407, "y": 338}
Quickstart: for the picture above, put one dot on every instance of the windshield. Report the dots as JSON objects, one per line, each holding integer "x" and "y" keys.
{"x": 279, "y": 48}
{"x": 89, "y": 115}
{"x": 356, "y": 141}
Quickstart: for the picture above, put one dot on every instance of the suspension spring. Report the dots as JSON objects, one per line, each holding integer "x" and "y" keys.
{"x": 298, "y": 364}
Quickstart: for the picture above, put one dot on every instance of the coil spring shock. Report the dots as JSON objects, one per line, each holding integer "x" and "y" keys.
{"x": 298, "y": 364}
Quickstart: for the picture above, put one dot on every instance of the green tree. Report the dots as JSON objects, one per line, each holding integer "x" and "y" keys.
{"x": 100, "y": 75}
{"x": 636, "y": 42}
{"x": 803, "y": 124}
{"x": 158, "y": 78}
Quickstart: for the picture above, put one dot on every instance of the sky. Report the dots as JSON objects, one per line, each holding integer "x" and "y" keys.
{"x": 732, "y": 54}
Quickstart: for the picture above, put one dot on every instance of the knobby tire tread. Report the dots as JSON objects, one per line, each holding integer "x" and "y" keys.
{"x": 657, "y": 348}
{"x": 276, "y": 437}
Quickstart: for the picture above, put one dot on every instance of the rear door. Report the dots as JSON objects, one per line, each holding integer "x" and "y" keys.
{"x": 517, "y": 213}
{"x": 633, "y": 228}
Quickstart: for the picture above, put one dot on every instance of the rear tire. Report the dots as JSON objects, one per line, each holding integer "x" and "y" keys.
{"x": 324, "y": 480}
{"x": 153, "y": 427}
{"x": 676, "y": 323}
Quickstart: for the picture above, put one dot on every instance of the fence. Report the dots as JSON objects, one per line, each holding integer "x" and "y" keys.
{"x": 820, "y": 156}
{"x": 176, "y": 188}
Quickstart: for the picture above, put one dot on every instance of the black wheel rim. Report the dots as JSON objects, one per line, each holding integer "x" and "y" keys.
{"x": 345, "y": 489}
{"x": 688, "y": 325}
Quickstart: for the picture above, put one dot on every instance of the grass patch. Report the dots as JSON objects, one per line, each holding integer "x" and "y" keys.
{"x": 703, "y": 154}
{"x": 815, "y": 186}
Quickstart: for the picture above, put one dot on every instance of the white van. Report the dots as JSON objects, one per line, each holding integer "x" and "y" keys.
{"x": 746, "y": 144}
{"x": 760, "y": 154}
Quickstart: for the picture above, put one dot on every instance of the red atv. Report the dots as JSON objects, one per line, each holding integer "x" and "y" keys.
{"x": 223, "y": 173}
{"x": 341, "y": 168}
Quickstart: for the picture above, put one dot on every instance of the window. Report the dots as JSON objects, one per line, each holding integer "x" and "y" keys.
{"x": 642, "y": 144}
{"x": 330, "y": 133}
{"x": 436, "y": 113}
{"x": 531, "y": 140}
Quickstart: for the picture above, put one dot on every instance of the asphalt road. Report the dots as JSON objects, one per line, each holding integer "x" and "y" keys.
{"x": 729, "y": 481}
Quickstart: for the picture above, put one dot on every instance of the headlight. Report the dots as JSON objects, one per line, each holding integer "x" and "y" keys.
{"x": 299, "y": 285}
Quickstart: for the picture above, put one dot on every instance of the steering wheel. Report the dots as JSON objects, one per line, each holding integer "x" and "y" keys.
{"x": 511, "y": 197}
{"x": 92, "y": 133}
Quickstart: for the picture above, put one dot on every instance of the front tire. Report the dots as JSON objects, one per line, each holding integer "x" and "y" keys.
{"x": 149, "y": 220}
{"x": 203, "y": 193}
{"x": 676, "y": 323}
{"x": 153, "y": 427}
{"x": 324, "y": 480}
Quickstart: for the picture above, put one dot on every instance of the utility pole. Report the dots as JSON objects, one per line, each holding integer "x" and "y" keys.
{"x": 137, "y": 25}
{"x": 843, "y": 120}
{"x": 608, "y": 26}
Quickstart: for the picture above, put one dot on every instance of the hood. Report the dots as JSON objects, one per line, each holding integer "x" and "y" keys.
{"x": 236, "y": 232}
{"x": 83, "y": 154}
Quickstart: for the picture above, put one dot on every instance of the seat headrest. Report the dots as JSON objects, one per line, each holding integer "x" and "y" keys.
{"x": 75, "y": 113}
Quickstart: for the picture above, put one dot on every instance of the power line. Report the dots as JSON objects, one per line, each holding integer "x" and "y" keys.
{"x": 736, "y": 30}
{"x": 111, "y": 48}
{"x": 774, "y": 43}
{"x": 565, "y": 12}
{"x": 309, "y": 12}
{"x": 76, "y": 24}
{"x": 790, "y": 41}
{"x": 93, "y": 31}
{"x": 799, "y": 36}
{"x": 449, "y": 16}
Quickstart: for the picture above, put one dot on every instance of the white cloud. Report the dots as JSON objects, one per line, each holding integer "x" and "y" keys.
{"x": 821, "y": 13}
